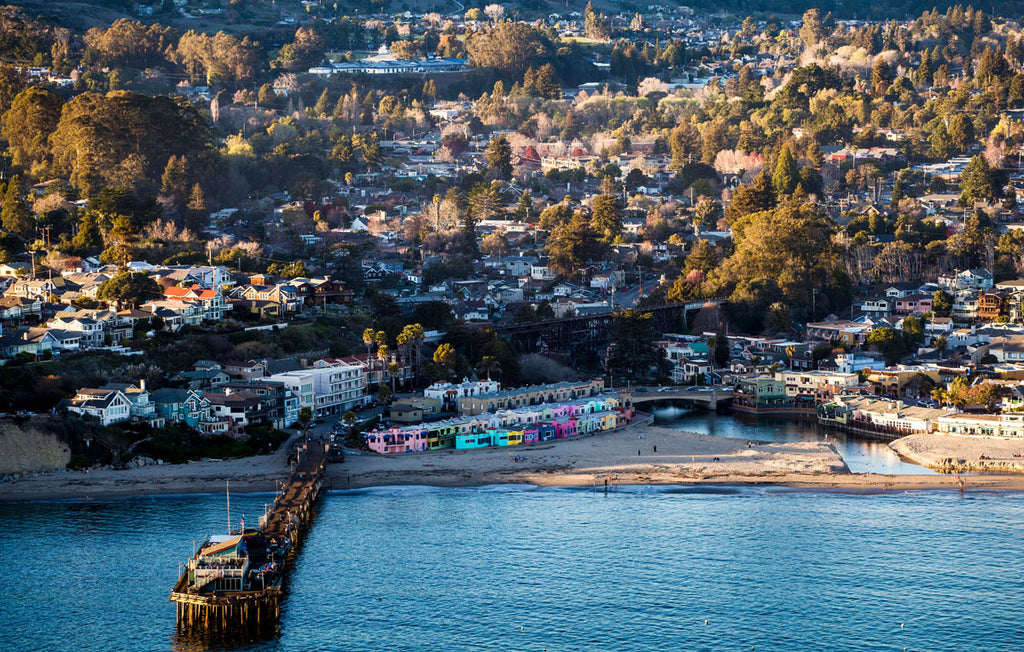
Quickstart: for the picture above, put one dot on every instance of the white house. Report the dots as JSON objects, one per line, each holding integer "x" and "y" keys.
{"x": 108, "y": 405}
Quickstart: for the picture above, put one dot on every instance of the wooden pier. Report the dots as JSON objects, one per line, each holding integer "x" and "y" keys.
{"x": 223, "y": 599}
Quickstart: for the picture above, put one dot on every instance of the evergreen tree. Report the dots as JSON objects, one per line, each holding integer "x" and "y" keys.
{"x": 941, "y": 144}
{"x": 546, "y": 84}
{"x": 925, "y": 71}
{"x": 606, "y": 216}
{"x": 961, "y": 132}
{"x": 978, "y": 182}
{"x": 197, "y": 210}
{"x": 174, "y": 182}
{"x": 786, "y": 175}
{"x": 758, "y": 196}
{"x": 15, "y": 215}
{"x": 897, "y": 193}
{"x": 323, "y": 105}
{"x": 881, "y": 76}
{"x": 499, "y": 156}
{"x": 88, "y": 240}
{"x": 595, "y": 25}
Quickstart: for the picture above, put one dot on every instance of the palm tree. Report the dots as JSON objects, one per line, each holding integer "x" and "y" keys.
{"x": 488, "y": 364}
{"x": 369, "y": 338}
{"x": 411, "y": 338}
{"x": 393, "y": 368}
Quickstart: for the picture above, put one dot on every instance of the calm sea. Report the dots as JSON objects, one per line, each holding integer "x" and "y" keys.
{"x": 516, "y": 568}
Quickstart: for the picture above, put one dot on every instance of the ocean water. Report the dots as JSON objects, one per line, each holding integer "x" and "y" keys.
{"x": 861, "y": 455}
{"x": 519, "y": 568}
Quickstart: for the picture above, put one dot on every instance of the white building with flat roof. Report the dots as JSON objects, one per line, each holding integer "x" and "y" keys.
{"x": 328, "y": 387}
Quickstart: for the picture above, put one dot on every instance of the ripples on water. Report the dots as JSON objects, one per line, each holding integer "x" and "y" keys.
{"x": 521, "y": 568}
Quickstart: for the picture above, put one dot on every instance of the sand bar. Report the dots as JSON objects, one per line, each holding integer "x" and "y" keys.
{"x": 680, "y": 458}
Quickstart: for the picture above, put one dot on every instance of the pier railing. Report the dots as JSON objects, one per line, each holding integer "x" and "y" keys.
{"x": 224, "y": 612}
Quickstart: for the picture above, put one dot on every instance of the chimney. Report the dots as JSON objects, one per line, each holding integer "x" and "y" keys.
{"x": 142, "y": 384}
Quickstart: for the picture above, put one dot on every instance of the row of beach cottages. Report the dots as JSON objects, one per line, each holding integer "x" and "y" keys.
{"x": 525, "y": 425}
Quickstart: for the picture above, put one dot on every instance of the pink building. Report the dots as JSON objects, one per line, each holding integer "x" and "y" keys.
{"x": 396, "y": 440}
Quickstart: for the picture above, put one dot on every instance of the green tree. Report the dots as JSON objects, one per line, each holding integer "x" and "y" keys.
{"x": 747, "y": 199}
{"x": 573, "y": 244}
{"x": 174, "y": 181}
{"x": 722, "y": 352}
{"x": 786, "y": 175}
{"x": 978, "y": 182}
{"x": 88, "y": 240}
{"x": 27, "y": 126}
{"x": 595, "y": 25}
{"x": 632, "y": 350}
{"x": 961, "y": 132}
{"x": 305, "y": 420}
{"x": 941, "y": 144}
{"x": 942, "y": 303}
{"x": 881, "y": 77}
{"x": 555, "y": 216}
{"x": 499, "y": 156}
{"x": 913, "y": 332}
{"x": 897, "y": 193}
{"x": 322, "y": 108}
{"x": 606, "y": 216}
{"x": 812, "y": 30}
{"x": 15, "y": 215}
{"x": 508, "y": 47}
{"x": 546, "y": 83}
{"x": 889, "y": 343}
{"x": 129, "y": 289}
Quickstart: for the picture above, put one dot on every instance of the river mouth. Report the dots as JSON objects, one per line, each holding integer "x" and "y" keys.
{"x": 860, "y": 455}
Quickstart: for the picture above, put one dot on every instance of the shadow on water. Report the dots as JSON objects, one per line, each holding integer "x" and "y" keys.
{"x": 190, "y": 640}
{"x": 861, "y": 455}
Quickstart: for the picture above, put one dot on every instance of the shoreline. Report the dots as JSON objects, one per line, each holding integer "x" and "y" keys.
{"x": 635, "y": 455}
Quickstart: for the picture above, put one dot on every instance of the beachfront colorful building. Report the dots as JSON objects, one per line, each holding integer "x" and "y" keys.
{"x": 523, "y": 425}
{"x": 485, "y": 402}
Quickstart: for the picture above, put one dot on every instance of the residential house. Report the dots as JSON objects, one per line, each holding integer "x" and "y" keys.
{"x": 914, "y": 304}
{"x": 212, "y": 302}
{"x": 853, "y": 333}
{"x": 18, "y": 309}
{"x": 109, "y": 406}
{"x": 968, "y": 279}
{"x": 992, "y": 305}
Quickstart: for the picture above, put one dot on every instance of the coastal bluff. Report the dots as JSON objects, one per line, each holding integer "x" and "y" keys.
{"x": 28, "y": 449}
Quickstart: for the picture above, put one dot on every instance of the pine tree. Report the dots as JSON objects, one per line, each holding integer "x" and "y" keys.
{"x": 197, "y": 211}
{"x": 786, "y": 174}
{"x": 546, "y": 84}
{"x": 925, "y": 71}
{"x": 881, "y": 76}
{"x": 323, "y": 105}
{"x": 15, "y": 215}
{"x": 897, "y": 193}
{"x": 88, "y": 240}
{"x": 174, "y": 182}
{"x": 606, "y": 216}
{"x": 977, "y": 182}
{"x": 499, "y": 156}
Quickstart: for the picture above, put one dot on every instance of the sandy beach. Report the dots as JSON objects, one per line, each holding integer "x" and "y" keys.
{"x": 665, "y": 457}
{"x": 250, "y": 474}
{"x": 955, "y": 454}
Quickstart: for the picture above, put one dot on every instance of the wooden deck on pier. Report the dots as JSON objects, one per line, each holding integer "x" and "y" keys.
{"x": 292, "y": 509}
{"x": 295, "y": 496}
